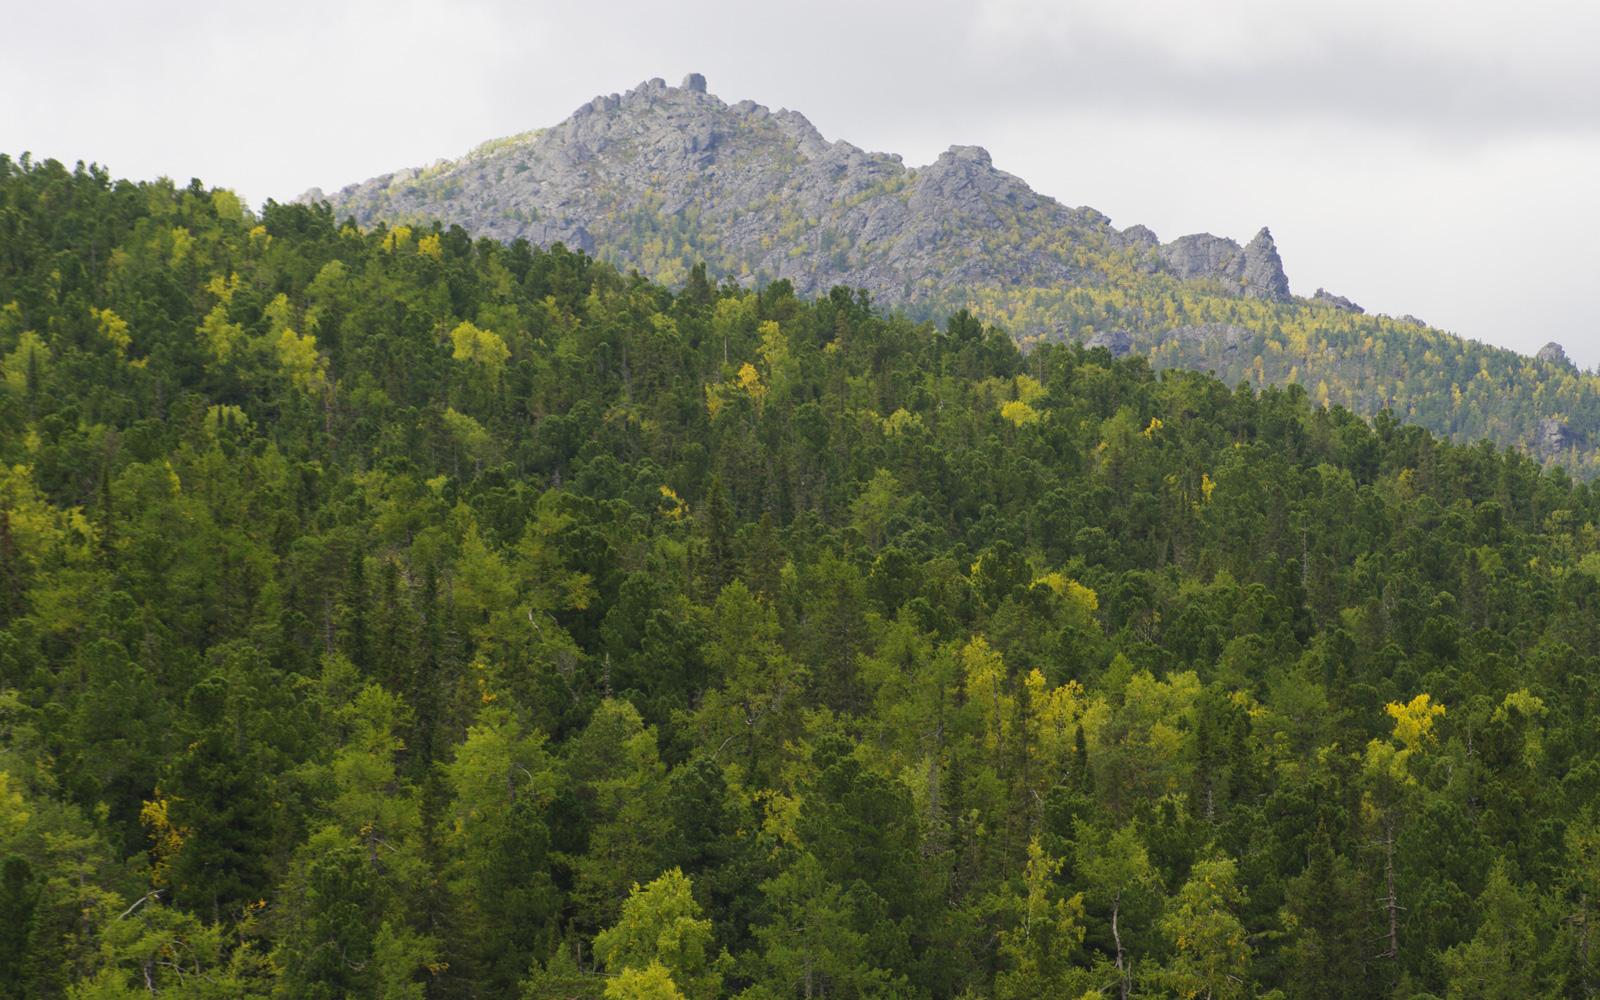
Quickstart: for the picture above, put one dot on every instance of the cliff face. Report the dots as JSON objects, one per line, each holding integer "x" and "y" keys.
{"x": 662, "y": 177}
{"x": 1255, "y": 270}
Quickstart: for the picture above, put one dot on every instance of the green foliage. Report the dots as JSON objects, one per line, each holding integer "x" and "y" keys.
{"x": 525, "y": 672}
{"x": 1211, "y": 957}
{"x": 1502, "y": 959}
{"x": 661, "y": 928}
{"x": 1457, "y": 388}
{"x": 1040, "y": 948}
{"x": 653, "y": 982}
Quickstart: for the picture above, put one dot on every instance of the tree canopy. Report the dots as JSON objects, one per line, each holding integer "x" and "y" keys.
{"x": 391, "y": 614}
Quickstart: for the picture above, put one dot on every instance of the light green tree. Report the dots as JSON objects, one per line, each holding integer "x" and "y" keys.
{"x": 483, "y": 348}
{"x": 809, "y": 944}
{"x": 1121, "y": 881}
{"x": 1040, "y": 947}
{"x": 1501, "y": 960}
{"x": 653, "y": 982}
{"x": 661, "y": 926}
{"x": 496, "y": 844}
{"x": 1210, "y": 953}
{"x": 615, "y": 765}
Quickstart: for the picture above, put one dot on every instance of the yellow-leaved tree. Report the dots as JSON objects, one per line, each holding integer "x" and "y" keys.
{"x": 483, "y": 348}
{"x": 25, "y": 365}
{"x": 222, "y": 339}
{"x": 113, "y": 328}
{"x": 1392, "y": 788}
{"x": 301, "y": 361}
{"x": 1019, "y": 413}
{"x": 662, "y": 940}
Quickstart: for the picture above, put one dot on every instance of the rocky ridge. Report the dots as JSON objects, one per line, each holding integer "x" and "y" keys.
{"x": 661, "y": 177}
{"x": 1339, "y": 302}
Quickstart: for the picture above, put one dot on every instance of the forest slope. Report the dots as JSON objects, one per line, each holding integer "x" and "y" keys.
{"x": 388, "y": 614}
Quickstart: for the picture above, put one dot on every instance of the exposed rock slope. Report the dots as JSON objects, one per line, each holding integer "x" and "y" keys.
{"x": 661, "y": 177}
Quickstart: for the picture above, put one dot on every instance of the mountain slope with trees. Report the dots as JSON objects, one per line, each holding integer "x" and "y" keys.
{"x": 662, "y": 178}
{"x": 385, "y": 613}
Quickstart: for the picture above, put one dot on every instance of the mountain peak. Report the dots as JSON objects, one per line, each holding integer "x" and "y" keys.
{"x": 1263, "y": 276}
{"x": 660, "y": 178}
{"x": 1554, "y": 354}
{"x": 967, "y": 154}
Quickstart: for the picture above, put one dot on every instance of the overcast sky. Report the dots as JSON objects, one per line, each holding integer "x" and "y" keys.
{"x": 1419, "y": 156}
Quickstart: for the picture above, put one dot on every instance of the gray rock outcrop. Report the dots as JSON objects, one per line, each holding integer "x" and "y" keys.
{"x": 1254, "y": 270}
{"x": 1118, "y": 342}
{"x": 1554, "y": 436}
{"x": 1554, "y": 354}
{"x": 1327, "y": 298}
{"x": 662, "y": 177}
{"x": 1263, "y": 276}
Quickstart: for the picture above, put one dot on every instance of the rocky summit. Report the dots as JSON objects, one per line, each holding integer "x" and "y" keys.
{"x": 662, "y": 177}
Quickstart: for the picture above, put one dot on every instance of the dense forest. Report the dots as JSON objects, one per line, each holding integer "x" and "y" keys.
{"x": 388, "y": 614}
{"x": 1459, "y": 389}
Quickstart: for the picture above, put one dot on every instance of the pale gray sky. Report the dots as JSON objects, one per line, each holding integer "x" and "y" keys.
{"x": 1436, "y": 157}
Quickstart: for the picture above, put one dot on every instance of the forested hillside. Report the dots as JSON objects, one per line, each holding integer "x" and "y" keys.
{"x": 662, "y": 178}
{"x": 388, "y": 614}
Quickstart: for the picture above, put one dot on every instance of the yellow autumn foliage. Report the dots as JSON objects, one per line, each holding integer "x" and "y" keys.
{"x": 1413, "y": 720}
{"x": 298, "y": 357}
{"x": 480, "y": 347}
{"x": 113, "y": 328}
{"x": 1019, "y": 413}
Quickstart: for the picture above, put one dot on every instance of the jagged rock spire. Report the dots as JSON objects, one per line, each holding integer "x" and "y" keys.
{"x": 1263, "y": 269}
